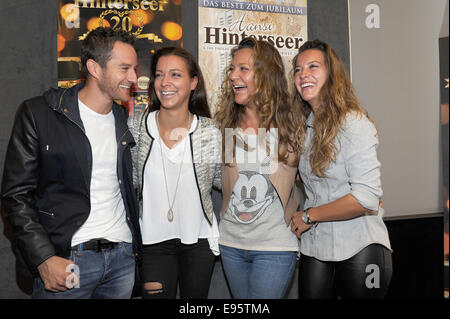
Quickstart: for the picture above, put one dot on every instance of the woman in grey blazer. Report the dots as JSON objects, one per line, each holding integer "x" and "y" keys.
{"x": 176, "y": 163}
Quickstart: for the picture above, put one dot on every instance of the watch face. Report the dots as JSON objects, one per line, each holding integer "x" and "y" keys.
{"x": 305, "y": 219}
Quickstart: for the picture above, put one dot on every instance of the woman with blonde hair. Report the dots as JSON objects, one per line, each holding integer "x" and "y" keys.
{"x": 260, "y": 158}
{"x": 343, "y": 239}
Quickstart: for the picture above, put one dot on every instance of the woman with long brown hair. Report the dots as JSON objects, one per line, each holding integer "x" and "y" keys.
{"x": 176, "y": 164}
{"x": 260, "y": 158}
{"x": 343, "y": 240}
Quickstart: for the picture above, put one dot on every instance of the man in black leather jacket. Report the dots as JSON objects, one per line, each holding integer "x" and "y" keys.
{"x": 67, "y": 182}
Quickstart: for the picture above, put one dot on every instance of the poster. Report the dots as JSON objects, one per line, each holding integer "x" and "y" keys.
{"x": 224, "y": 23}
{"x": 155, "y": 24}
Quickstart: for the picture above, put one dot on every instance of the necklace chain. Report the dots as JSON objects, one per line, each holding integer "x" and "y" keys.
{"x": 170, "y": 213}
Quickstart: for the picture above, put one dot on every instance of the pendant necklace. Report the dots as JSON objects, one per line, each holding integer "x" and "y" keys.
{"x": 170, "y": 213}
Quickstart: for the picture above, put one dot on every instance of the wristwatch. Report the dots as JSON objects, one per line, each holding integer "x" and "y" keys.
{"x": 305, "y": 217}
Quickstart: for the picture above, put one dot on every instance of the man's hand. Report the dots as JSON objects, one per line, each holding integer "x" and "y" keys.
{"x": 54, "y": 273}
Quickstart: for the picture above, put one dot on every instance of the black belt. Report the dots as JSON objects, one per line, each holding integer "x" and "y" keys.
{"x": 95, "y": 244}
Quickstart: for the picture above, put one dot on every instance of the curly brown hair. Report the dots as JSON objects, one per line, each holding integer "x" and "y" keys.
{"x": 337, "y": 99}
{"x": 271, "y": 98}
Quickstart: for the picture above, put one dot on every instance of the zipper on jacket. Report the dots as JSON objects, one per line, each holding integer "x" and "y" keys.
{"x": 118, "y": 147}
{"x": 120, "y": 139}
{"x": 47, "y": 213}
{"x": 127, "y": 213}
{"x": 117, "y": 166}
{"x": 77, "y": 125}
{"x": 84, "y": 133}
{"x": 59, "y": 107}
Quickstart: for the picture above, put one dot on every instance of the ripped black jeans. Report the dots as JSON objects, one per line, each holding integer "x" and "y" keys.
{"x": 171, "y": 263}
{"x": 366, "y": 275}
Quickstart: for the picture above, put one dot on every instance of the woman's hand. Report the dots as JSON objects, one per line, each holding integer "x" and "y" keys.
{"x": 297, "y": 224}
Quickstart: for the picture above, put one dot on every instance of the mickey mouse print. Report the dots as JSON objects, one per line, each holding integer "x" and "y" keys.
{"x": 253, "y": 193}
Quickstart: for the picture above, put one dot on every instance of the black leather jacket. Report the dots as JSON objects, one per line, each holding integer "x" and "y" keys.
{"x": 47, "y": 175}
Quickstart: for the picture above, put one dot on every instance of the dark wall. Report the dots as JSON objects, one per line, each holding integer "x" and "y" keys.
{"x": 28, "y": 56}
{"x": 28, "y": 67}
{"x": 328, "y": 21}
{"x": 418, "y": 258}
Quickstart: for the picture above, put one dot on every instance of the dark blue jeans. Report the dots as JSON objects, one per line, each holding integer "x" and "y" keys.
{"x": 106, "y": 274}
{"x": 254, "y": 274}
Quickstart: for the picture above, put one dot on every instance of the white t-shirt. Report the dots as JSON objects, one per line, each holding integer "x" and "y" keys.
{"x": 189, "y": 223}
{"x": 107, "y": 218}
{"x": 254, "y": 219}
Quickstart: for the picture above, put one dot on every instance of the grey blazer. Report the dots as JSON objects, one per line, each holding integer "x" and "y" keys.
{"x": 206, "y": 152}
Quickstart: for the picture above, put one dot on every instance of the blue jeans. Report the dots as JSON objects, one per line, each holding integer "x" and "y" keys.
{"x": 107, "y": 274}
{"x": 254, "y": 274}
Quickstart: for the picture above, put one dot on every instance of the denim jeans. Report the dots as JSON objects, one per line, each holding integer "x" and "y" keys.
{"x": 107, "y": 274}
{"x": 254, "y": 274}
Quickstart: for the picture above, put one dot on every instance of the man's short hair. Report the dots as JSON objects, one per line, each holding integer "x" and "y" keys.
{"x": 99, "y": 43}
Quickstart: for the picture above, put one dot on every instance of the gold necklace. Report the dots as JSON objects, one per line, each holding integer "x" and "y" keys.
{"x": 170, "y": 212}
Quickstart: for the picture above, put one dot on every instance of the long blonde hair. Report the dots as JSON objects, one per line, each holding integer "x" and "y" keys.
{"x": 337, "y": 99}
{"x": 271, "y": 99}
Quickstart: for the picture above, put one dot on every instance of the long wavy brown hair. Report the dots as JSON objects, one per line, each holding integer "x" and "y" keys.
{"x": 271, "y": 98}
{"x": 337, "y": 99}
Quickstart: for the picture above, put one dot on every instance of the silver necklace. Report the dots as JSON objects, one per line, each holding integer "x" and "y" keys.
{"x": 170, "y": 213}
